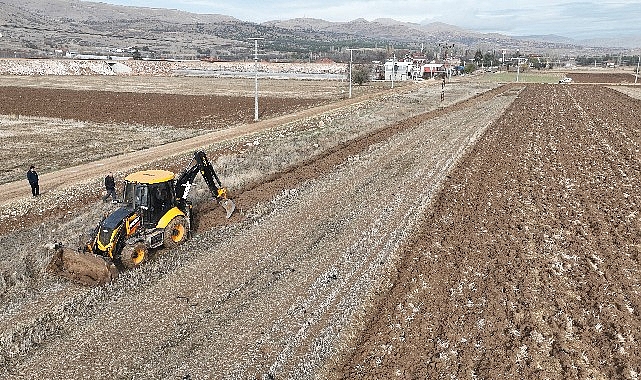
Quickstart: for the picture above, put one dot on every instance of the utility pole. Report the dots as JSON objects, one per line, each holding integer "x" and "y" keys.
{"x": 637, "y": 76}
{"x": 256, "y": 76}
{"x": 350, "y": 70}
{"x": 393, "y": 68}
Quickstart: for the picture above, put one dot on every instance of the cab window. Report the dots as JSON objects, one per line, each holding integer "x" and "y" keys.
{"x": 129, "y": 193}
{"x": 141, "y": 197}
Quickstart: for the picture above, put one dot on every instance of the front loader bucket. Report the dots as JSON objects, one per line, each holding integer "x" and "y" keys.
{"x": 84, "y": 268}
{"x": 229, "y": 206}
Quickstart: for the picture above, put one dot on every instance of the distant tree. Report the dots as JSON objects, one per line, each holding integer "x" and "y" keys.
{"x": 489, "y": 59}
{"x": 478, "y": 57}
{"x": 361, "y": 74}
{"x": 469, "y": 68}
{"x": 535, "y": 63}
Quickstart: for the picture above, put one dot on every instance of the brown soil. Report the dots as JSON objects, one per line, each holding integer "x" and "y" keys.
{"x": 601, "y": 77}
{"x": 413, "y": 240}
{"x": 186, "y": 111}
{"x": 527, "y": 264}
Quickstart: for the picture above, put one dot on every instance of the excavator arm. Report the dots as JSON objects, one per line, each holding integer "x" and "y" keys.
{"x": 94, "y": 261}
{"x": 205, "y": 168}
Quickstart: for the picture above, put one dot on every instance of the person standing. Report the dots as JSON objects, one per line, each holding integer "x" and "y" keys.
{"x": 110, "y": 186}
{"x": 32, "y": 177}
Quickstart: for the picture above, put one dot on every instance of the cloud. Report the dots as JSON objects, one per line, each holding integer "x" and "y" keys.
{"x": 572, "y": 19}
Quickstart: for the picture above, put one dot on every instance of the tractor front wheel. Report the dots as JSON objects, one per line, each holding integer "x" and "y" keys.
{"x": 175, "y": 232}
{"x": 134, "y": 255}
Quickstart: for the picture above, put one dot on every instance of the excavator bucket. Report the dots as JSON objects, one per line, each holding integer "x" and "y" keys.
{"x": 80, "y": 267}
{"x": 229, "y": 206}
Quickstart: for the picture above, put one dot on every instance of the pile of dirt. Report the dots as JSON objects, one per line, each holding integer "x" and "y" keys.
{"x": 85, "y": 269}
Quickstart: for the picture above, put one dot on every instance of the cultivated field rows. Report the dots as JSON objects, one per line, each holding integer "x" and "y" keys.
{"x": 527, "y": 264}
{"x": 396, "y": 237}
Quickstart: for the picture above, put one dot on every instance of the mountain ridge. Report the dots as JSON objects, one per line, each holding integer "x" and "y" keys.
{"x": 42, "y": 27}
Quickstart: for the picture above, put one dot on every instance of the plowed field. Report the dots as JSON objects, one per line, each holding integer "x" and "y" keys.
{"x": 527, "y": 263}
{"x": 148, "y": 109}
{"x": 601, "y": 77}
{"x": 493, "y": 235}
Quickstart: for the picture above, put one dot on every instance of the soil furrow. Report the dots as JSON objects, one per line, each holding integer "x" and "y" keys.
{"x": 524, "y": 267}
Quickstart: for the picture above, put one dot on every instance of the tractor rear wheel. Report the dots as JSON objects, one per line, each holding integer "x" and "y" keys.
{"x": 175, "y": 232}
{"x": 134, "y": 255}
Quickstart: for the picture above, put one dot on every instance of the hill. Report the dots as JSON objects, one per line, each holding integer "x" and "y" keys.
{"x": 35, "y": 28}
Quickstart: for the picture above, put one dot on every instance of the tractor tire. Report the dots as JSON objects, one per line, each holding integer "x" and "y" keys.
{"x": 134, "y": 255}
{"x": 176, "y": 232}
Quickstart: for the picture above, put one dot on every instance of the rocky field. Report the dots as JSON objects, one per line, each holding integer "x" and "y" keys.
{"x": 494, "y": 234}
{"x": 89, "y": 67}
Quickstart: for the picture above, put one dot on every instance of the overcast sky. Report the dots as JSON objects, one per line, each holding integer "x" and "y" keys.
{"x": 575, "y": 19}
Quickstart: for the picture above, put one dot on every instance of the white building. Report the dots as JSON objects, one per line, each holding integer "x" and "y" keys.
{"x": 399, "y": 70}
{"x": 414, "y": 69}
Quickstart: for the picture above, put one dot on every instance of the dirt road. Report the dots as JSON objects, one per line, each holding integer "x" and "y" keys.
{"x": 83, "y": 173}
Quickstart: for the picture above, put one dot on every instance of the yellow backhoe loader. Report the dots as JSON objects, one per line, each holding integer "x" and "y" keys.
{"x": 155, "y": 213}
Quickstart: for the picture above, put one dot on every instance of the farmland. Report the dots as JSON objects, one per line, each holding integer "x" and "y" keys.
{"x": 529, "y": 256}
{"x": 493, "y": 235}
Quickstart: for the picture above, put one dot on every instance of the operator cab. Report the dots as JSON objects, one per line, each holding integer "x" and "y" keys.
{"x": 151, "y": 192}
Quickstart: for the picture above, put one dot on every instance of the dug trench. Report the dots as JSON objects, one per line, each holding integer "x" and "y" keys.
{"x": 209, "y": 216}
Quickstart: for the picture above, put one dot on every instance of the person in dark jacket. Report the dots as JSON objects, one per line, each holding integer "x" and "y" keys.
{"x": 110, "y": 186}
{"x": 32, "y": 177}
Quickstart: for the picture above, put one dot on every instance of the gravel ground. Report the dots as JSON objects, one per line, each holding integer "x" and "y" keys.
{"x": 72, "y": 67}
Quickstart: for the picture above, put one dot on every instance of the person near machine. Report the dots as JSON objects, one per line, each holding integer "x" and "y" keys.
{"x": 155, "y": 212}
{"x": 110, "y": 186}
{"x": 32, "y": 177}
